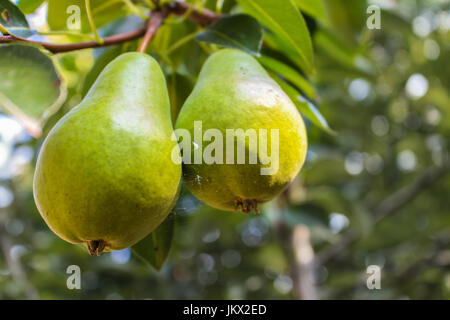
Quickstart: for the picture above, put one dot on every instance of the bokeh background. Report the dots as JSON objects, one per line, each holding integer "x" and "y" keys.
{"x": 375, "y": 193}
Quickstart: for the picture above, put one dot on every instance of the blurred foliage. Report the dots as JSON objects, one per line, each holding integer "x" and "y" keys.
{"x": 384, "y": 92}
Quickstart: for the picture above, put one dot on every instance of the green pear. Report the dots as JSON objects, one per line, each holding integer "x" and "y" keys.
{"x": 235, "y": 92}
{"x": 104, "y": 175}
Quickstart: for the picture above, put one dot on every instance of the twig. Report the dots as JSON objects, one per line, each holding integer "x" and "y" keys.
{"x": 60, "y": 48}
{"x": 203, "y": 18}
{"x": 91, "y": 21}
{"x": 403, "y": 196}
{"x": 387, "y": 207}
{"x": 409, "y": 272}
{"x": 156, "y": 20}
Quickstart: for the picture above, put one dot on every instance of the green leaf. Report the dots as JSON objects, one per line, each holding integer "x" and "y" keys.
{"x": 284, "y": 19}
{"x": 173, "y": 41}
{"x": 30, "y": 87}
{"x": 347, "y": 18}
{"x": 14, "y": 20}
{"x": 239, "y": 31}
{"x": 61, "y": 12}
{"x": 154, "y": 249}
{"x": 342, "y": 53}
{"x": 289, "y": 74}
{"x": 305, "y": 107}
{"x": 274, "y": 43}
{"x": 180, "y": 87}
{"x": 314, "y": 8}
{"x": 29, "y": 6}
{"x": 310, "y": 214}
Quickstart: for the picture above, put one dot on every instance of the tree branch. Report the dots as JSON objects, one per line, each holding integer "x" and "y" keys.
{"x": 387, "y": 207}
{"x": 304, "y": 269}
{"x": 60, "y": 48}
{"x": 156, "y": 20}
{"x": 405, "y": 195}
{"x": 202, "y": 17}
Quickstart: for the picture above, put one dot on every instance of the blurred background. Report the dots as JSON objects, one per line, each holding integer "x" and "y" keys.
{"x": 375, "y": 193}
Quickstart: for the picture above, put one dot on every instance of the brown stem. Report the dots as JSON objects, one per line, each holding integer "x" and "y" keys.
{"x": 202, "y": 17}
{"x": 156, "y": 20}
{"x": 60, "y": 48}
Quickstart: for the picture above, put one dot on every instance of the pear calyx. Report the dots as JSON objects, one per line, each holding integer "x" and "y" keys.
{"x": 96, "y": 247}
{"x": 246, "y": 205}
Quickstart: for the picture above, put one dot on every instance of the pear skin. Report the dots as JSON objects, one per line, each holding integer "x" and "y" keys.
{"x": 104, "y": 176}
{"x": 235, "y": 92}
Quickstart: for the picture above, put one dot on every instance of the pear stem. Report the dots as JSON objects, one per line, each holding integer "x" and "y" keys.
{"x": 156, "y": 20}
